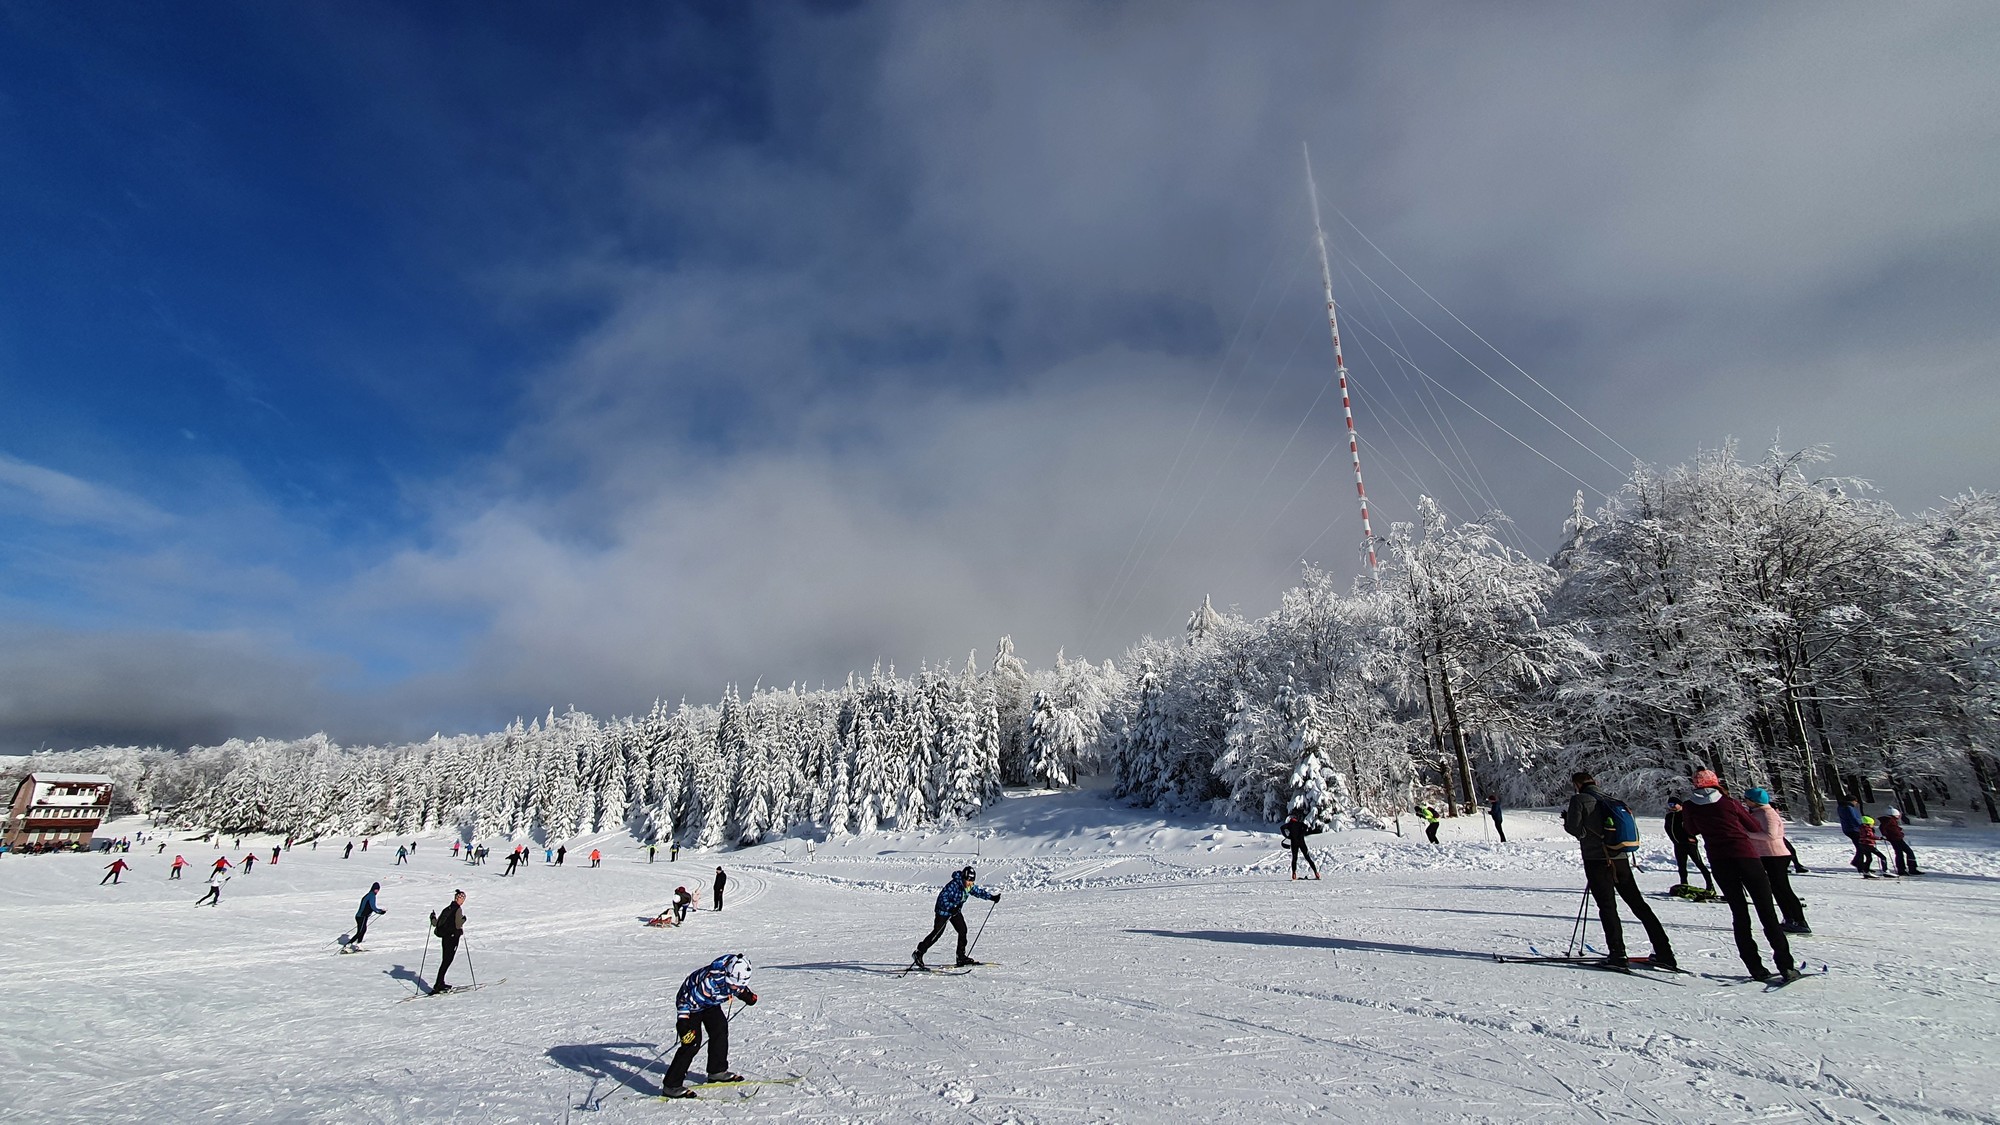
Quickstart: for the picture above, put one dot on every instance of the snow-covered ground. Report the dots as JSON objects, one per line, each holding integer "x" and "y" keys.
{"x": 1149, "y": 970}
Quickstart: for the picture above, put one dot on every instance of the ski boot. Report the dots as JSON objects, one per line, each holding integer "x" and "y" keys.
{"x": 917, "y": 963}
{"x": 676, "y": 1092}
{"x": 725, "y": 1076}
{"x": 964, "y": 962}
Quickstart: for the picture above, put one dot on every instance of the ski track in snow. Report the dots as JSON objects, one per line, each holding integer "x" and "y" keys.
{"x": 1150, "y": 969}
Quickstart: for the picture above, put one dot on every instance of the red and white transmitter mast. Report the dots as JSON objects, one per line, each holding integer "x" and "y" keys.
{"x": 1340, "y": 365}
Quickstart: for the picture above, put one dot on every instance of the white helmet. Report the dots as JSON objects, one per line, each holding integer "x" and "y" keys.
{"x": 1892, "y": 812}
{"x": 739, "y": 969}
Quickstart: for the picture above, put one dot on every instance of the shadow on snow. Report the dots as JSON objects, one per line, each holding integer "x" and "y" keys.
{"x": 1313, "y": 941}
{"x": 619, "y": 1064}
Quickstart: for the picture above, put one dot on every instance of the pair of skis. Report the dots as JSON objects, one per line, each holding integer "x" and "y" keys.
{"x": 952, "y": 971}
{"x": 1638, "y": 966}
{"x": 788, "y": 1080}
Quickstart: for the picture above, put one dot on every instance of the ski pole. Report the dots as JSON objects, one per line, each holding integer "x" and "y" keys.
{"x": 1576, "y": 932}
{"x": 982, "y": 927}
{"x": 468, "y": 963}
{"x": 426, "y": 959}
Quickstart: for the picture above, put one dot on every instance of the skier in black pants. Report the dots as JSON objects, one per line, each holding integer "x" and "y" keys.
{"x": 363, "y": 913}
{"x": 720, "y": 880}
{"x": 950, "y": 911}
{"x": 1685, "y": 846}
{"x": 1493, "y": 810}
{"x": 561, "y": 851}
{"x": 449, "y": 926}
{"x": 349, "y": 853}
{"x": 212, "y": 898}
{"x": 1731, "y": 833}
{"x": 1430, "y": 818}
{"x": 1610, "y": 878}
{"x": 698, "y": 1009}
{"x": 1295, "y": 832}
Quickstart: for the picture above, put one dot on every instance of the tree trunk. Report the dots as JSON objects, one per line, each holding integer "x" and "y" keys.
{"x": 1985, "y": 778}
{"x": 1457, "y": 735}
{"x": 1815, "y": 810}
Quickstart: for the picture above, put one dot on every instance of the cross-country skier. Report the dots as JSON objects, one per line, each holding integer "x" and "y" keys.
{"x": 698, "y": 1010}
{"x": 449, "y": 926}
{"x": 454, "y": 849}
{"x": 1685, "y": 846}
{"x": 349, "y": 853}
{"x": 560, "y": 853}
{"x": 596, "y": 857}
{"x": 1869, "y": 852}
{"x": 1730, "y": 832}
{"x": 274, "y": 855}
{"x": 402, "y": 856}
{"x": 115, "y": 868}
{"x": 652, "y": 852}
{"x": 1850, "y": 827}
{"x": 513, "y": 861}
{"x": 1776, "y": 859}
{"x": 950, "y": 911}
{"x": 720, "y": 880}
{"x": 1493, "y": 810}
{"x": 1892, "y": 831}
{"x": 362, "y": 914}
{"x": 1609, "y": 877}
{"x": 249, "y": 862}
{"x": 1430, "y": 816}
{"x": 212, "y": 898}
{"x": 1295, "y": 832}
{"x": 221, "y": 865}
{"x": 674, "y": 852}
{"x": 174, "y": 872}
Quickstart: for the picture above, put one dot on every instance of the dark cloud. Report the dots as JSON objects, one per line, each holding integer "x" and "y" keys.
{"x": 999, "y": 321}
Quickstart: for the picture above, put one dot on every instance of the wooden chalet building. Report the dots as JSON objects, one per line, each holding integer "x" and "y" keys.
{"x": 57, "y": 811}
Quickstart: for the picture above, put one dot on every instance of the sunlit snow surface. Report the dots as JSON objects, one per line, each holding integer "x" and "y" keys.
{"x": 1149, "y": 970}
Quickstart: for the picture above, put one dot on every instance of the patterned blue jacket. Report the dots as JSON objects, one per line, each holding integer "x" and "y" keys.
{"x": 953, "y": 896}
{"x": 707, "y": 987}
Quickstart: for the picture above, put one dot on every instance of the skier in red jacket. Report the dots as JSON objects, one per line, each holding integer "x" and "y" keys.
{"x": 116, "y": 867}
{"x": 1732, "y": 834}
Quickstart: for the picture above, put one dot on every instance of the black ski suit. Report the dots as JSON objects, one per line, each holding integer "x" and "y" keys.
{"x": 450, "y": 927}
{"x": 1609, "y": 878}
{"x": 1295, "y": 832}
{"x": 720, "y": 880}
{"x": 1686, "y": 848}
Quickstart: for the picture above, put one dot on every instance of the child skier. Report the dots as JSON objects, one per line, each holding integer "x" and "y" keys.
{"x": 950, "y": 912}
{"x": 1868, "y": 852}
{"x": 698, "y": 1009}
{"x": 1892, "y": 831}
{"x": 1295, "y": 832}
{"x": 362, "y": 914}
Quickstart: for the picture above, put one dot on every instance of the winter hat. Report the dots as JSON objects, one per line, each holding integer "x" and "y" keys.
{"x": 968, "y": 873}
{"x": 1759, "y": 796}
{"x": 1869, "y": 821}
{"x": 374, "y": 886}
{"x": 1706, "y": 779}
{"x": 1892, "y": 812}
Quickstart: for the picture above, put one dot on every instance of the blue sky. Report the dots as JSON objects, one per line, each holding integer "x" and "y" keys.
{"x": 387, "y": 369}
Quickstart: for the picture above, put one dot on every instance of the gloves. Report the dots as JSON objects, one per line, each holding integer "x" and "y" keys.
{"x": 749, "y": 998}
{"x": 996, "y": 898}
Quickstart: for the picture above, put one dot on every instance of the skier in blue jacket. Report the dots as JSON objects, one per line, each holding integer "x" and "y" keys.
{"x": 367, "y": 910}
{"x": 698, "y": 1009}
{"x": 950, "y": 906}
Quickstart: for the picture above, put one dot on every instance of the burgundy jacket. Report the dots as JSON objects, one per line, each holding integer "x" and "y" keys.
{"x": 1725, "y": 823}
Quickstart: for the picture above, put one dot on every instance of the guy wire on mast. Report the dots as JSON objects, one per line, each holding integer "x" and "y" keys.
{"x": 1340, "y": 365}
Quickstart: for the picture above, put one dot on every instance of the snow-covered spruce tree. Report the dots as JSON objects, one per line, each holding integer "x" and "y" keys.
{"x": 1011, "y": 701}
{"x": 1310, "y": 800}
{"x": 1141, "y": 771}
{"x": 1252, "y": 764}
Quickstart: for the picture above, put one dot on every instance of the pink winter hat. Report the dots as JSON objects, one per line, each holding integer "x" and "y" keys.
{"x": 1706, "y": 779}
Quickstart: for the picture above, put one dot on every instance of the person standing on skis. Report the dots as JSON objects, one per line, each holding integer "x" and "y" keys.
{"x": 950, "y": 912}
{"x": 116, "y": 868}
{"x": 180, "y": 861}
{"x": 449, "y": 926}
{"x": 1609, "y": 876}
{"x": 1892, "y": 831}
{"x": 1430, "y": 818}
{"x": 1295, "y": 832}
{"x": 721, "y": 880}
{"x": 1685, "y": 846}
{"x": 698, "y": 1010}
{"x": 1732, "y": 835}
{"x": 221, "y": 865}
{"x": 362, "y": 914}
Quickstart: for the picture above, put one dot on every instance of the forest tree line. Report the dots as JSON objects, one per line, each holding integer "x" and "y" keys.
{"x": 1782, "y": 627}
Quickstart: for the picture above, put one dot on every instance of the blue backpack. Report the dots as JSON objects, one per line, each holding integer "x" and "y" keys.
{"x": 1621, "y": 832}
